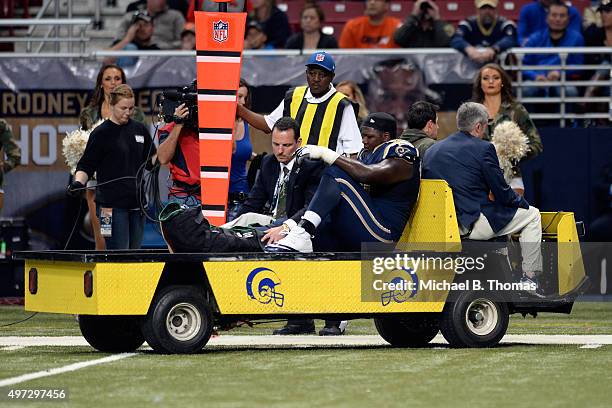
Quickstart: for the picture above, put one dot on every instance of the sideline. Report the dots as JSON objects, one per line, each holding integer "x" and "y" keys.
{"x": 346, "y": 340}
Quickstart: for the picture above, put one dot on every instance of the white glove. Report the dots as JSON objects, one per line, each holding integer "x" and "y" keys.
{"x": 317, "y": 153}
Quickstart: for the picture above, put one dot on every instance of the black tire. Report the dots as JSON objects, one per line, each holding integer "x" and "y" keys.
{"x": 412, "y": 330}
{"x": 112, "y": 334}
{"x": 474, "y": 319}
{"x": 179, "y": 320}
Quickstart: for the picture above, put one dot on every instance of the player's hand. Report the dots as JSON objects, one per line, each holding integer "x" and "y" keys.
{"x": 75, "y": 189}
{"x": 316, "y": 153}
{"x": 274, "y": 234}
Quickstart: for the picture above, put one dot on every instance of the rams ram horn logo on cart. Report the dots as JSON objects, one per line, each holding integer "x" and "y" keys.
{"x": 406, "y": 286}
{"x": 220, "y": 31}
{"x": 262, "y": 285}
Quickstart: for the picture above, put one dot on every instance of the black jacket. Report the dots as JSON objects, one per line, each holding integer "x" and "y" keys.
{"x": 303, "y": 182}
{"x": 296, "y": 41}
{"x": 471, "y": 167}
{"x": 410, "y": 34}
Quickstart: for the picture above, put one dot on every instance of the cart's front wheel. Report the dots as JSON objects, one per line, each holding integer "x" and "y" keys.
{"x": 112, "y": 334}
{"x": 474, "y": 319}
{"x": 411, "y": 330}
{"x": 179, "y": 320}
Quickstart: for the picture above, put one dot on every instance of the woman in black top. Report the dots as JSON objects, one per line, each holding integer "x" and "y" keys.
{"x": 275, "y": 22}
{"x": 116, "y": 151}
{"x": 311, "y": 37}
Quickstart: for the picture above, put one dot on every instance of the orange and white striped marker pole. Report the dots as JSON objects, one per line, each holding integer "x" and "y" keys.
{"x": 219, "y": 44}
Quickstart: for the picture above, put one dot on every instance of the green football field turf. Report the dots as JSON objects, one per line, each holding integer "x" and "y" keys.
{"x": 505, "y": 376}
{"x": 586, "y": 318}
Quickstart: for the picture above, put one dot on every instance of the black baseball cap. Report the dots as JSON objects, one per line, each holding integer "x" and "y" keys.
{"x": 141, "y": 15}
{"x": 605, "y": 5}
{"x": 381, "y": 121}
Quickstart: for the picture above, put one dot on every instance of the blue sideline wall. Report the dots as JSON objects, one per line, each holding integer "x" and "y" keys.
{"x": 566, "y": 174}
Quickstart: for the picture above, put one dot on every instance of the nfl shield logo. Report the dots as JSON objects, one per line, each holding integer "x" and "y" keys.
{"x": 220, "y": 31}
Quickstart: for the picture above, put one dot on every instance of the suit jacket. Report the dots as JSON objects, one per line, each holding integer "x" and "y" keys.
{"x": 471, "y": 168}
{"x": 303, "y": 182}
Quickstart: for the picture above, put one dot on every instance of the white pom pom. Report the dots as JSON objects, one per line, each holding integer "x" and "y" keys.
{"x": 511, "y": 145}
{"x": 74, "y": 145}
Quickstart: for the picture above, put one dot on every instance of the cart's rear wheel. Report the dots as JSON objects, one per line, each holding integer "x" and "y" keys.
{"x": 179, "y": 320}
{"x": 411, "y": 330}
{"x": 474, "y": 319}
{"x": 113, "y": 334}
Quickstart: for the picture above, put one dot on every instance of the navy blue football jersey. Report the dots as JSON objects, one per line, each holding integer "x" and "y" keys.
{"x": 396, "y": 200}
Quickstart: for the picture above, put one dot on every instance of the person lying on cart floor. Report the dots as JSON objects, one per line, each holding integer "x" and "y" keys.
{"x": 367, "y": 199}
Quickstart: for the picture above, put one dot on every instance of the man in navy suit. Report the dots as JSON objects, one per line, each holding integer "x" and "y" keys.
{"x": 471, "y": 167}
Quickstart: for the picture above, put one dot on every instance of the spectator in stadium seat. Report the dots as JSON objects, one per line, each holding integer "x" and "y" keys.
{"x": 178, "y": 5}
{"x": 493, "y": 88}
{"x": 255, "y": 37}
{"x": 423, "y": 28}
{"x": 168, "y": 24}
{"x": 9, "y": 148}
{"x": 373, "y": 30}
{"x": 188, "y": 39}
{"x": 234, "y": 6}
{"x": 557, "y": 34}
{"x": 353, "y": 92}
{"x": 137, "y": 37}
{"x": 311, "y": 37}
{"x": 422, "y": 129}
{"x": 533, "y": 19}
{"x": 483, "y": 36}
{"x": 274, "y": 22}
{"x": 599, "y": 37}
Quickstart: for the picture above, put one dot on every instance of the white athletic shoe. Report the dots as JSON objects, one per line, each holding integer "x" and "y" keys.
{"x": 297, "y": 240}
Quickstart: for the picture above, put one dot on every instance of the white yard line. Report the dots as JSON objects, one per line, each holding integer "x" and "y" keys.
{"x": 590, "y": 346}
{"x": 65, "y": 369}
{"x": 347, "y": 340}
{"x": 12, "y": 348}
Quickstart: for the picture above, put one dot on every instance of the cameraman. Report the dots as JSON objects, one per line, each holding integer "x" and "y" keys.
{"x": 179, "y": 150}
{"x": 423, "y": 28}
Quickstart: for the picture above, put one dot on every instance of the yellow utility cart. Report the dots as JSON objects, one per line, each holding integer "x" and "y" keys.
{"x": 174, "y": 301}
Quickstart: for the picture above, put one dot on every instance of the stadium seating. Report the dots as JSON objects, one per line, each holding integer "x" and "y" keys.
{"x": 452, "y": 11}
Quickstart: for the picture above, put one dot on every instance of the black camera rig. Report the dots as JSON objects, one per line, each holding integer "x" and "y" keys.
{"x": 171, "y": 99}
